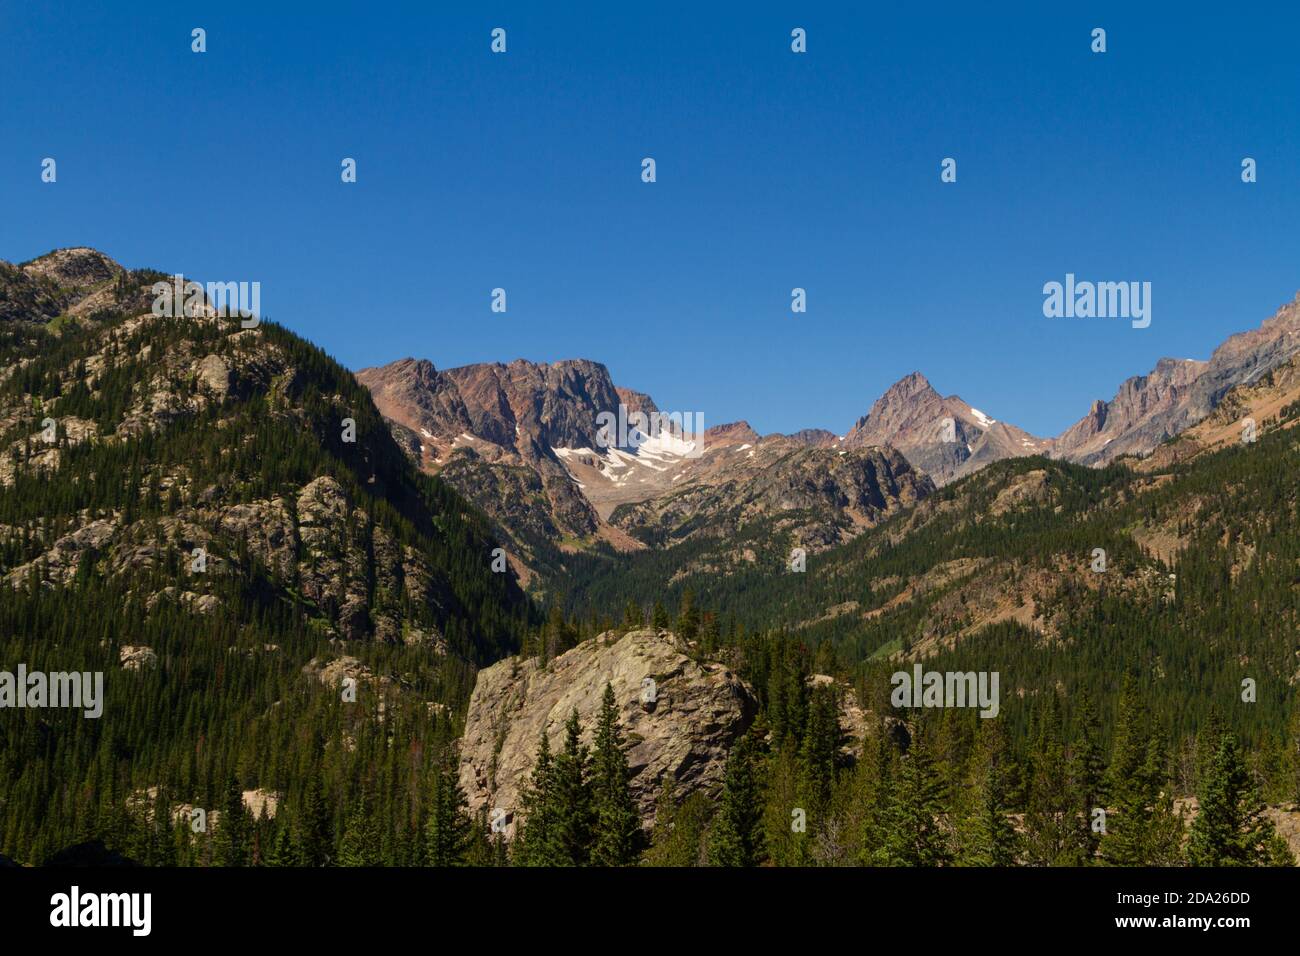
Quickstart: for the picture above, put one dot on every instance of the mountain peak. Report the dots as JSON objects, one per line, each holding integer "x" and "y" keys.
{"x": 78, "y": 267}
{"x": 729, "y": 434}
{"x": 914, "y": 383}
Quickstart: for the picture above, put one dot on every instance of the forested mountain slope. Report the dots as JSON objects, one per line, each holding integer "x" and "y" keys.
{"x": 217, "y": 518}
{"x": 1200, "y": 587}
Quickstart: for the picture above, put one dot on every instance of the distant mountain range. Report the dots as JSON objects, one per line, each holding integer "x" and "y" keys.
{"x": 234, "y": 528}
{"x": 522, "y": 441}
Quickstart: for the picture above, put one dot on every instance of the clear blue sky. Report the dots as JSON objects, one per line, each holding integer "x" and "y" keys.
{"x": 775, "y": 170}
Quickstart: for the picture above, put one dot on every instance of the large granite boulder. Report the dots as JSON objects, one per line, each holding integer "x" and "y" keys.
{"x": 685, "y": 732}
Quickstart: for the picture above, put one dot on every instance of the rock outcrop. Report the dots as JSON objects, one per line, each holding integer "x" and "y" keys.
{"x": 135, "y": 657}
{"x": 1179, "y": 393}
{"x": 685, "y": 733}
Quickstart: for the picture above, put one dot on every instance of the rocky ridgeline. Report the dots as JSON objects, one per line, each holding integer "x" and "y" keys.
{"x": 698, "y": 711}
{"x": 121, "y": 377}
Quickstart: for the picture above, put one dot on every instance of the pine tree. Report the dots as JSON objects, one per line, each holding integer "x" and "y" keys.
{"x": 659, "y": 618}
{"x": 315, "y": 836}
{"x": 915, "y": 836}
{"x": 1143, "y": 831}
{"x": 617, "y": 833}
{"x": 988, "y": 836}
{"x": 1053, "y": 834}
{"x": 573, "y": 798}
{"x": 679, "y": 830}
{"x": 1087, "y": 776}
{"x": 736, "y": 838}
{"x": 1293, "y": 761}
{"x": 633, "y": 615}
{"x": 537, "y": 841}
{"x": 787, "y": 812}
{"x": 559, "y": 636}
{"x": 282, "y": 849}
{"x": 688, "y": 617}
{"x": 231, "y": 841}
{"x": 820, "y": 749}
{"x": 449, "y": 831}
{"x": 479, "y": 850}
{"x": 361, "y": 842}
{"x": 1231, "y": 829}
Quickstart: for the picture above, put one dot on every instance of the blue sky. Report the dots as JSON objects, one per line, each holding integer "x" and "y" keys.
{"x": 775, "y": 170}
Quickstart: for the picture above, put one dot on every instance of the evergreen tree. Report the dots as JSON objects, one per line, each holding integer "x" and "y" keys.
{"x": 361, "y": 840}
{"x": 315, "y": 835}
{"x": 537, "y": 841}
{"x": 875, "y": 774}
{"x": 988, "y": 836}
{"x": 479, "y": 849}
{"x": 282, "y": 849}
{"x": 633, "y": 615}
{"x": 679, "y": 830}
{"x": 688, "y": 617}
{"x": 1087, "y": 777}
{"x": 659, "y": 618}
{"x": 449, "y": 831}
{"x": 915, "y": 836}
{"x": 787, "y": 812}
{"x": 1231, "y": 829}
{"x": 617, "y": 826}
{"x": 574, "y": 812}
{"x": 820, "y": 750}
{"x": 1143, "y": 830}
{"x": 736, "y": 837}
{"x": 231, "y": 841}
{"x": 1293, "y": 757}
{"x": 1053, "y": 824}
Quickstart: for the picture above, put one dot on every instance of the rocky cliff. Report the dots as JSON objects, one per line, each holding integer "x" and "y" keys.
{"x": 1179, "y": 393}
{"x": 685, "y": 733}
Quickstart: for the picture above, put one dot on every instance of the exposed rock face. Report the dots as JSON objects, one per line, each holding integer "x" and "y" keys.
{"x": 1179, "y": 393}
{"x": 1269, "y": 402}
{"x": 735, "y": 433}
{"x": 54, "y": 284}
{"x": 489, "y": 431}
{"x": 74, "y": 270}
{"x": 524, "y": 407}
{"x": 911, "y": 417}
{"x": 137, "y": 657}
{"x": 636, "y": 401}
{"x": 828, "y": 496}
{"x": 1145, "y": 411}
{"x": 1024, "y": 490}
{"x": 317, "y": 538}
{"x": 698, "y": 712}
{"x": 816, "y": 437}
{"x": 215, "y": 374}
{"x": 520, "y": 441}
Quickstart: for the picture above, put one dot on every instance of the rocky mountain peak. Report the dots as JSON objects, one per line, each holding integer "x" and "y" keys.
{"x": 730, "y": 434}
{"x": 77, "y": 281}
{"x": 77, "y": 268}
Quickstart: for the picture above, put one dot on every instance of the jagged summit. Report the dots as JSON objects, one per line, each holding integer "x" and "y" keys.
{"x": 944, "y": 437}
